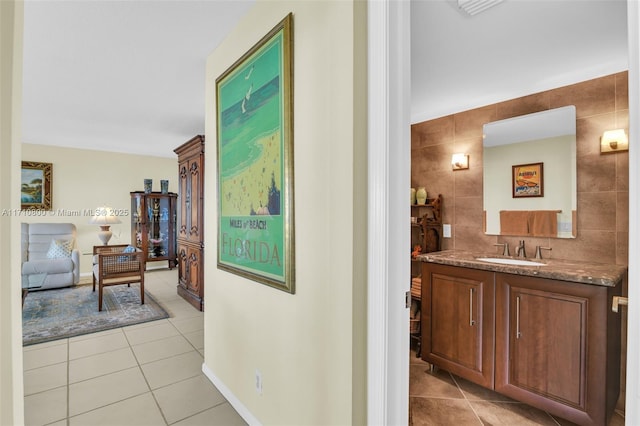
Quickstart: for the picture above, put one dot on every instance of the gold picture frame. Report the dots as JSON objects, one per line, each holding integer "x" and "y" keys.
{"x": 36, "y": 183}
{"x": 254, "y": 107}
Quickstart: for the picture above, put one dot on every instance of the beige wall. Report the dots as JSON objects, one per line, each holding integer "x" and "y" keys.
{"x": 85, "y": 179}
{"x": 11, "y": 383}
{"x": 310, "y": 346}
{"x": 603, "y": 190}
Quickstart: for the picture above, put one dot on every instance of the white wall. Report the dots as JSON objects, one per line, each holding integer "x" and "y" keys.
{"x": 11, "y": 383}
{"x": 310, "y": 346}
{"x": 86, "y": 179}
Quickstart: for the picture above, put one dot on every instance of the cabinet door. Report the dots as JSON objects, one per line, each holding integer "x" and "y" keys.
{"x": 160, "y": 237}
{"x": 195, "y": 208}
{"x": 194, "y": 262}
{"x": 458, "y": 321}
{"x": 547, "y": 336}
{"x": 189, "y": 272}
{"x": 184, "y": 187}
{"x": 138, "y": 222}
{"x": 552, "y": 350}
{"x": 190, "y": 215}
{"x": 182, "y": 265}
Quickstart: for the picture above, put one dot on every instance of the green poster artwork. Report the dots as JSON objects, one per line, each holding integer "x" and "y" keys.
{"x": 254, "y": 145}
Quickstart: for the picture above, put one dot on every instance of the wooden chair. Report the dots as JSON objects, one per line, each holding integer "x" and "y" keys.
{"x": 112, "y": 266}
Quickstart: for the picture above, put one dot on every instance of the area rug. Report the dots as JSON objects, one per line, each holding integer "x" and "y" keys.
{"x": 73, "y": 311}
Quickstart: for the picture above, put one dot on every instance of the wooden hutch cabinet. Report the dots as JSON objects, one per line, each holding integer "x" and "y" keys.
{"x": 426, "y": 229}
{"x": 426, "y": 233}
{"x": 190, "y": 221}
{"x": 153, "y": 225}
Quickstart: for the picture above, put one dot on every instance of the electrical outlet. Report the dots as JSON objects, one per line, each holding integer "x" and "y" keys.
{"x": 258, "y": 382}
{"x": 446, "y": 230}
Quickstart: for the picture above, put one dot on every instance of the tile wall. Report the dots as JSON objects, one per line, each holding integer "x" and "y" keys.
{"x": 602, "y": 181}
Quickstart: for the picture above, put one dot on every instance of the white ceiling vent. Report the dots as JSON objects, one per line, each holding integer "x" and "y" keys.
{"x": 473, "y": 7}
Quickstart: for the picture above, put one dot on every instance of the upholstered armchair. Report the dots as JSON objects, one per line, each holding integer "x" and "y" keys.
{"x": 50, "y": 258}
{"x": 115, "y": 265}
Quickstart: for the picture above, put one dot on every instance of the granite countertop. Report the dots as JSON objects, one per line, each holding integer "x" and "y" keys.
{"x": 603, "y": 274}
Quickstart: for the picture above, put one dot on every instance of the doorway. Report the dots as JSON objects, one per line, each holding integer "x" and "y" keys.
{"x": 387, "y": 353}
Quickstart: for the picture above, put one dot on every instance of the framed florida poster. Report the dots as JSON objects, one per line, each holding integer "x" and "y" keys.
{"x": 255, "y": 162}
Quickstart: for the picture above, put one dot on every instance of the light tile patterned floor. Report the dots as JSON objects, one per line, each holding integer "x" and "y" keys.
{"x": 150, "y": 374}
{"x": 146, "y": 374}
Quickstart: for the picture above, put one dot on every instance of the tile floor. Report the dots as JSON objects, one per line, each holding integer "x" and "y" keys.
{"x": 146, "y": 374}
{"x": 440, "y": 398}
{"x": 150, "y": 374}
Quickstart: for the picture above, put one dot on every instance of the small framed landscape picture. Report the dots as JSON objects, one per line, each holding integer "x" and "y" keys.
{"x": 36, "y": 182}
{"x": 528, "y": 180}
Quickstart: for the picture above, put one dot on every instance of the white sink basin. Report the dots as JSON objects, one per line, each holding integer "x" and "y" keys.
{"x": 517, "y": 262}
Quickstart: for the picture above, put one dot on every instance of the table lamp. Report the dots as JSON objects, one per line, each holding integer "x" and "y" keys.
{"x": 104, "y": 218}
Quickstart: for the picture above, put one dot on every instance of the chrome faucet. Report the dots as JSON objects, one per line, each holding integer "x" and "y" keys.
{"x": 505, "y": 251}
{"x": 520, "y": 250}
{"x": 539, "y": 252}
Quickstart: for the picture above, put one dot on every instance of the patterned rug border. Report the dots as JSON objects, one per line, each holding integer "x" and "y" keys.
{"x": 149, "y": 303}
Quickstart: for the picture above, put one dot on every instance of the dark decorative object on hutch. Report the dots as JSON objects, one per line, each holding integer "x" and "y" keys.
{"x": 153, "y": 225}
{"x": 190, "y": 221}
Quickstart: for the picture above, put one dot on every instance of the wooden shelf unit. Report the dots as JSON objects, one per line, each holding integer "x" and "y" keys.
{"x": 426, "y": 232}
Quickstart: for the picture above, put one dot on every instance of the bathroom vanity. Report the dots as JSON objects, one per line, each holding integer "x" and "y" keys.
{"x": 544, "y": 335}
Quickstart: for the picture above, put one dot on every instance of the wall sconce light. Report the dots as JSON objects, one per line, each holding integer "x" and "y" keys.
{"x": 460, "y": 161}
{"x": 104, "y": 217}
{"x": 614, "y": 140}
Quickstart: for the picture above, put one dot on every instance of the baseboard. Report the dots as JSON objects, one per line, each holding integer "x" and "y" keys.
{"x": 157, "y": 266}
{"x": 85, "y": 278}
{"x": 235, "y": 402}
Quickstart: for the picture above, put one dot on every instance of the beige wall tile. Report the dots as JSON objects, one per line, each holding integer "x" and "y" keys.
{"x": 524, "y": 105}
{"x": 590, "y": 97}
{"x": 601, "y": 104}
{"x": 597, "y": 211}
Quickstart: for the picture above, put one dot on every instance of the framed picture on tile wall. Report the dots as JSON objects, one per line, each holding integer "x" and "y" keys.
{"x": 36, "y": 181}
{"x": 528, "y": 180}
{"x": 254, "y": 107}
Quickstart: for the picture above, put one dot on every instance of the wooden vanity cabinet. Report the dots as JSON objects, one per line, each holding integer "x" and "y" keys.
{"x": 558, "y": 346}
{"x": 552, "y": 344}
{"x": 458, "y": 321}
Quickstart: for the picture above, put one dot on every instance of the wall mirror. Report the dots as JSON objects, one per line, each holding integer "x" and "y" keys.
{"x": 529, "y": 175}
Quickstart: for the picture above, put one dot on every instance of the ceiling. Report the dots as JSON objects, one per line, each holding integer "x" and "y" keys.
{"x": 129, "y": 76}
{"x": 123, "y": 76}
{"x": 516, "y": 48}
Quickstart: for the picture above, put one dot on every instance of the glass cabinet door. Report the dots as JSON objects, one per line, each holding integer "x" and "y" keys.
{"x": 158, "y": 229}
{"x": 153, "y": 225}
{"x": 137, "y": 221}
